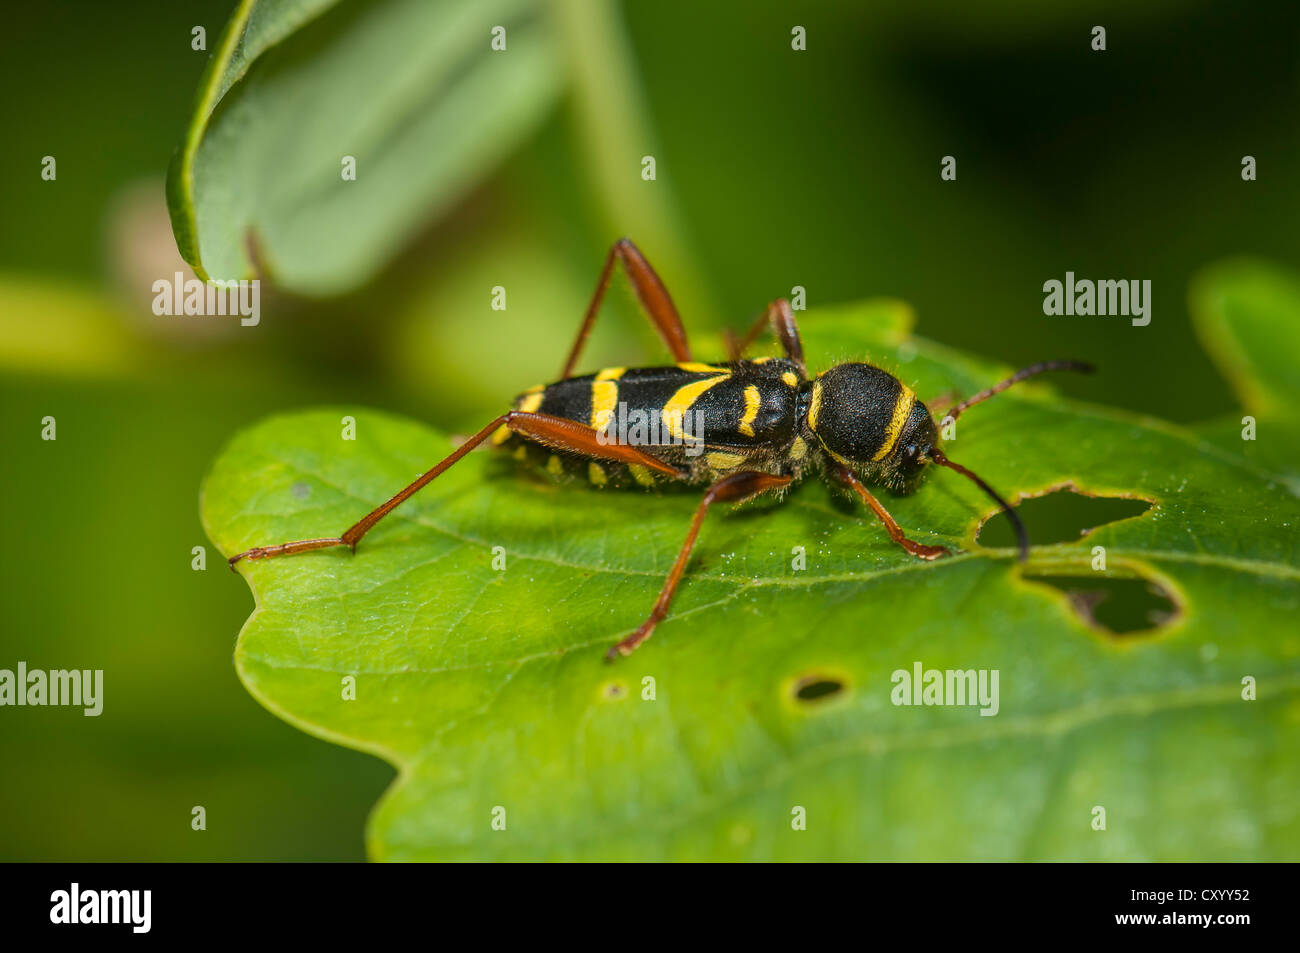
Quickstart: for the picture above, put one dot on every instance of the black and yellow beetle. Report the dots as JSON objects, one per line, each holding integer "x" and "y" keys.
{"x": 741, "y": 427}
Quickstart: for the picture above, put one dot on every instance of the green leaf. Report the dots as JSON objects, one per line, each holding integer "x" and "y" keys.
{"x": 411, "y": 89}
{"x": 1246, "y": 314}
{"x": 488, "y": 688}
{"x": 80, "y": 332}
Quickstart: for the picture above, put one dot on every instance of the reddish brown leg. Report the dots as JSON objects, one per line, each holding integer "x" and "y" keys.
{"x": 555, "y": 432}
{"x": 920, "y": 550}
{"x": 560, "y": 433}
{"x": 780, "y": 318}
{"x": 654, "y": 298}
{"x": 736, "y": 487}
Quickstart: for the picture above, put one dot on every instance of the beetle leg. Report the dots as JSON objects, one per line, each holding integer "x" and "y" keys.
{"x": 654, "y": 298}
{"x": 781, "y": 319}
{"x": 920, "y": 550}
{"x": 733, "y": 488}
{"x": 555, "y": 432}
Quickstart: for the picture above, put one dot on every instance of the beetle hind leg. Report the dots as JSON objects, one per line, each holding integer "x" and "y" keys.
{"x": 650, "y": 291}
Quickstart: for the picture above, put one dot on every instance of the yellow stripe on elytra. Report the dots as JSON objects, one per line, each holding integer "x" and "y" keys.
{"x": 724, "y": 461}
{"x": 675, "y": 409}
{"x": 532, "y": 399}
{"x": 902, "y": 407}
{"x": 753, "y": 400}
{"x": 798, "y": 449}
{"x": 604, "y": 396}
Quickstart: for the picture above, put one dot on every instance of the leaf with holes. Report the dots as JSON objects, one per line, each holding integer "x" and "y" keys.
{"x": 326, "y": 133}
{"x": 760, "y": 721}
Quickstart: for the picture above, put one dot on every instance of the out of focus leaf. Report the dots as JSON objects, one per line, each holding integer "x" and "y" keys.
{"x": 63, "y": 331}
{"x": 1247, "y": 315}
{"x": 411, "y": 89}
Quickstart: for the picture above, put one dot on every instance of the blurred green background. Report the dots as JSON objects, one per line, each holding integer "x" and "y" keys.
{"x": 775, "y": 169}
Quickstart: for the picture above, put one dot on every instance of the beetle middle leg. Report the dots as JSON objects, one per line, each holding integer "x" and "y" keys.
{"x": 736, "y": 487}
{"x": 919, "y": 550}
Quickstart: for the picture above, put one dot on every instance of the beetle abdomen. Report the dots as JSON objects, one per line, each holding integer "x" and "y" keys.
{"x": 708, "y": 418}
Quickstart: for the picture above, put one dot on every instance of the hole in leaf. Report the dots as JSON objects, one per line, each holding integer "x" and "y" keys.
{"x": 816, "y": 688}
{"x": 1061, "y": 515}
{"x": 1120, "y": 606}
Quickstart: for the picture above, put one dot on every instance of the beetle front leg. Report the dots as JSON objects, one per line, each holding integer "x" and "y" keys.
{"x": 919, "y": 550}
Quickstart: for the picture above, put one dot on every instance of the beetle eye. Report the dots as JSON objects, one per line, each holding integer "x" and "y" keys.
{"x": 912, "y": 459}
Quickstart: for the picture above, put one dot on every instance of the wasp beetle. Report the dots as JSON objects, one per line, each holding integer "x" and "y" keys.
{"x": 757, "y": 426}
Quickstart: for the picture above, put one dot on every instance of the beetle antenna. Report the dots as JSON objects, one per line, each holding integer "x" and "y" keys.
{"x": 1021, "y": 536}
{"x": 1033, "y": 369}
